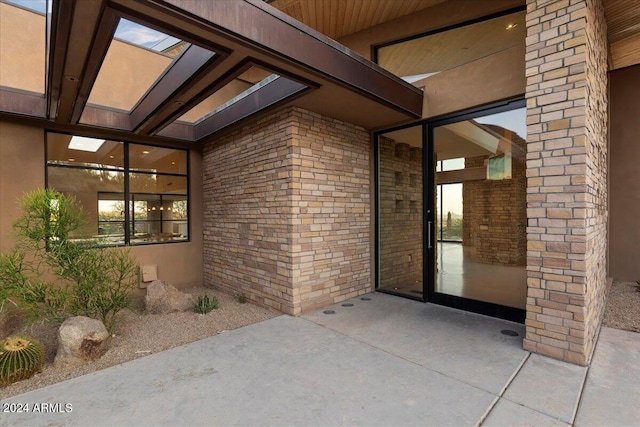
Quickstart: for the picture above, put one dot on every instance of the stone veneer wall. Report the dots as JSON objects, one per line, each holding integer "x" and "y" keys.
{"x": 400, "y": 199}
{"x": 567, "y": 103}
{"x": 495, "y": 211}
{"x": 287, "y": 211}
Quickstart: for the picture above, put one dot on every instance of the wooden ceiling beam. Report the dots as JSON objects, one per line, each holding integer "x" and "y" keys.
{"x": 72, "y": 28}
{"x": 61, "y": 22}
{"x": 270, "y": 94}
{"x": 171, "y": 91}
{"x": 101, "y": 39}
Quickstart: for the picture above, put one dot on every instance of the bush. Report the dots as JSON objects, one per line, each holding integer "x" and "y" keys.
{"x": 92, "y": 280}
{"x": 205, "y": 304}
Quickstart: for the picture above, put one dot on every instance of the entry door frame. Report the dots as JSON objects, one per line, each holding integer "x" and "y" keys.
{"x": 466, "y": 304}
{"x": 429, "y": 213}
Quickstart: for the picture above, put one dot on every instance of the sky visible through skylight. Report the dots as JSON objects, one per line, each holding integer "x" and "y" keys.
{"x": 39, "y": 6}
{"x": 143, "y": 36}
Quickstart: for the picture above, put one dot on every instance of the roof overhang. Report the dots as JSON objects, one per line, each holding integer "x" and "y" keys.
{"x": 226, "y": 39}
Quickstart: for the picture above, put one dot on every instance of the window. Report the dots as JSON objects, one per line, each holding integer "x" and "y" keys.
{"x": 132, "y": 193}
{"x": 422, "y": 56}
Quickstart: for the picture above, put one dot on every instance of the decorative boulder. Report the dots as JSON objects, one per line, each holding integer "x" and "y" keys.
{"x": 81, "y": 339}
{"x": 164, "y": 298}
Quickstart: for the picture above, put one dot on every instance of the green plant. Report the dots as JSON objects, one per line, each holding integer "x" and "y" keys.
{"x": 20, "y": 358}
{"x": 241, "y": 298}
{"x": 90, "y": 280}
{"x": 205, "y": 304}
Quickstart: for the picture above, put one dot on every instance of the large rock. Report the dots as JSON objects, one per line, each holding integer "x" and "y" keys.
{"x": 164, "y": 298}
{"x": 81, "y": 339}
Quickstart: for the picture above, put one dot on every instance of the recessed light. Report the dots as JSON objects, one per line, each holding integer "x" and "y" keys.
{"x": 145, "y": 152}
{"x": 511, "y": 26}
{"x": 72, "y": 160}
{"x": 111, "y": 157}
{"x": 173, "y": 163}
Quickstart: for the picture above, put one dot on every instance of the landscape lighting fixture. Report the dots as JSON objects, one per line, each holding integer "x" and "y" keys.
{"x": 82, "y": 143}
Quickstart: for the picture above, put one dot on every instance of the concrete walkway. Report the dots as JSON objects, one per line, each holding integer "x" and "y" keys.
{"x": 382, "y": 361}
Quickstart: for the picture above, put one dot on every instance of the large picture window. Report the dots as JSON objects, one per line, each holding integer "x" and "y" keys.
{"x": 132, "y": 193}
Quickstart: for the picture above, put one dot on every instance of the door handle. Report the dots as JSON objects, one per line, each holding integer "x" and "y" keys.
{"x": 429, "y": 244}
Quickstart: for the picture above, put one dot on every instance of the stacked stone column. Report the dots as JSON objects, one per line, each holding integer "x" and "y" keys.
{"x": 566, "y": 67}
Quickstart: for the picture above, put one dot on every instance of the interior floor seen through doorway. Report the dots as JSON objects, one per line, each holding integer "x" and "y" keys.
{"x": 460, "y": 274}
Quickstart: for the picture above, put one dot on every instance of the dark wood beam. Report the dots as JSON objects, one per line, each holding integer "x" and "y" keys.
{"x": 22, "y": 102}
{"x": 90, "y": 130}
{"x": 101, "y": 41}
{"x": 105, "y": 117}
{"x": 178, "y": 130}
{"x": 171, "y": 90}
{"x": 69, "y": 54}
{"x": 61, "y": 20}
{"x": 274, "y": 92}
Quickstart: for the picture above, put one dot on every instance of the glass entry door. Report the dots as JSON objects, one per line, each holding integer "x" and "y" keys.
{"x": 480, "y": 181}
{"x": 451, "y": 211}
{"x": 403, "y": 223}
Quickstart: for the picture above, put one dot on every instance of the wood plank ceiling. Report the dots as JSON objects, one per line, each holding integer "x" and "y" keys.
{"x": 623, "y": 31}
{"x": 338, "y": 18}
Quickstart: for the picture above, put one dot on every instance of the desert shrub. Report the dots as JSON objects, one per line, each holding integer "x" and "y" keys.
{"x": 204, "y": 304}
{"x": 91, "y": 280}
{"x": 241, "y": 298}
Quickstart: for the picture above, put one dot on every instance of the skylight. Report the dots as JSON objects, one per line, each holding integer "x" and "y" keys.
{"x": 83, "y": 143}
{"x": 241, "y": 87}
{"x": 142, "y": 36}
{"x": 39, "y": 6}
{"x": 137, "y": 57}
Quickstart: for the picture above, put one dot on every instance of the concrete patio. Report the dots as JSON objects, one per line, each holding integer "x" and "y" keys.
{"x": 382, "y": 361}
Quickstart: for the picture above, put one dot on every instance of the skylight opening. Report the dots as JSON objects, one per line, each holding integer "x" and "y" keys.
{"x": 147, "y": 38}
{"x": 39, "y": 6}
{"x": 242, "y": 86}
{"x": 137, "y": 58}
{"x": 82, "y": 143}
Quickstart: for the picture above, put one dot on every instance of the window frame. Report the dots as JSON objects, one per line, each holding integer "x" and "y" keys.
{"x": 126, "y": 170}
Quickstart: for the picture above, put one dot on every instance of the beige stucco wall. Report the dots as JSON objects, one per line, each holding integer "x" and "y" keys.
{"x": 22, "y": 169}
{"x": 22, "y": 39}
{"x": 624, "y": 186}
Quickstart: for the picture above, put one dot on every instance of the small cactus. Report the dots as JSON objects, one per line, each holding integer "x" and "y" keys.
{"x": 204, "y": 304}
{"x": 20, "y": 358}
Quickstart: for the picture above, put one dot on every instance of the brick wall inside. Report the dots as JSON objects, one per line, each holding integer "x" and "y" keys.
{"x": 494, "y": 211}
{"x": 566, "y": 64}
{"x": 287, "y": 211}
{"x": 400, "y": 204}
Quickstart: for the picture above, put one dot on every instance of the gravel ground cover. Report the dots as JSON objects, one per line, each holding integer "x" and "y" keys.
{"x": 623, "y": 307}
{"x": 138, "y": 335}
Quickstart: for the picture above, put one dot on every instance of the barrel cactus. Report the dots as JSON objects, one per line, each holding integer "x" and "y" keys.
{"x": 20, "y": 358}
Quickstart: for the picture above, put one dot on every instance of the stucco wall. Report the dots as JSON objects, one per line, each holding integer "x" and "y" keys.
{"x": 624, "y": 187}
{"x": 22, "y": 169}
{"x": 287, "y": 211}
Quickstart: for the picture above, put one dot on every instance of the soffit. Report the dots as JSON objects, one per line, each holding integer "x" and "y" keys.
{"x": 623, "y": 32}
{"x": 339, "y": 18}
{"x": 224, "y": 48}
